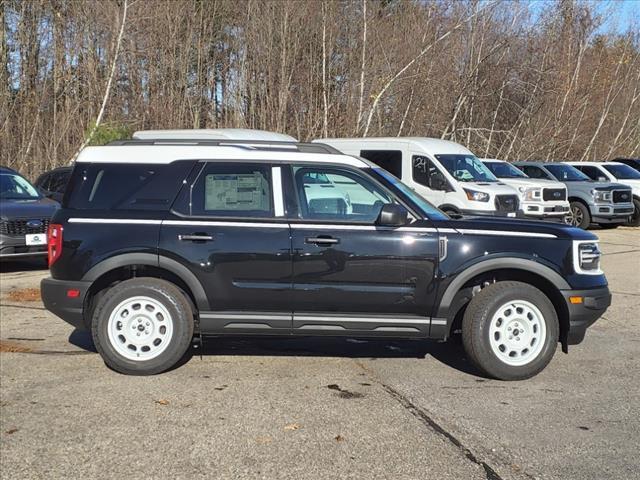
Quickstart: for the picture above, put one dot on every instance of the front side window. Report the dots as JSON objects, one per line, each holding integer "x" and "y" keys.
{"x": 504, "y": 170}
{"x": 15, "y": 187}
{"x": 232, "y": 190}
{"x": 566, "y": 173}
{"x": 427, "y": 174}
{"x": 466, "y": 168}
{"x": 534, "y": 172}
{"x": 59, "y": 182}
{"x": 423, "y": 204}
{"x": 623, "y": 172}
{"x": 592, "y": 172}
{"x": 341, "y": 195}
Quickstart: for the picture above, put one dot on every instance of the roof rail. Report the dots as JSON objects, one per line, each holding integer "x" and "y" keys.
{"x": 303, "y": 147}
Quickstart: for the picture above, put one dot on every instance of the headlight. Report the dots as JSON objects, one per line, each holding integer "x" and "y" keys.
{"x": 586, "y": 257}
{"x": 600, "y": 196}
{"x": 477, "y": 196}
{"x": 530, "y": 193}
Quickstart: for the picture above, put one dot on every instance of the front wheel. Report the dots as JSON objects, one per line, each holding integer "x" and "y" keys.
{"x": 142, "y": 326}
{"x": 510, "y": 330}
{"x": 634, "y": 221}
{"x": 579, "y": 215}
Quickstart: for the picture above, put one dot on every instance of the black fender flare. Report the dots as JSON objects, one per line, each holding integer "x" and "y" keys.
{"x": 153, "y": 260}
{"x": 497, "y": 264}
{"x": 448, "y": 206}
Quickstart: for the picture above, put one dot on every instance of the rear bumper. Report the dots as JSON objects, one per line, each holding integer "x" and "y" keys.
{"x": 55, "y": 299}
{"x": 595, "y": 302}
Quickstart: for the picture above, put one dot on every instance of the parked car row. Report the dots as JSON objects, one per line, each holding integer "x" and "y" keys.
{"x": 161, "y": 241}
{"x": 445, "y": 173}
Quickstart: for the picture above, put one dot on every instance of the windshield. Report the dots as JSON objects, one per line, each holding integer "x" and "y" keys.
{"x": 623, "y": 172}
{"x": 466, "y": 168}
{"x": 15, "y": 187}
{"x": 567, "y": 173}
{"x": 504, "y": 170}
{"x": 425, "y": 207}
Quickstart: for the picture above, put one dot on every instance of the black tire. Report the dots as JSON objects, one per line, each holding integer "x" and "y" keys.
{"x": 580, "y": 216}
{"x": 634, "y": 221}
{"x": 181, "y": 317}
{"x": 476, "y": 326}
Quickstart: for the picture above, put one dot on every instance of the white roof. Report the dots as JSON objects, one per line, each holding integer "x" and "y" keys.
{"x": 493, "y": 160}
{"x": 159, "y": 154}
{"x": 594, "y": 163}
{"x": 213, "y": 134}
{"x": 432, "y": 145}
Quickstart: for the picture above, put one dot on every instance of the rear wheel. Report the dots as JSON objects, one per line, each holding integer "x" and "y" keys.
{"x": 510, "y": 330}
{"x": 579, "y": 215}
{"x": 634, "y": 221}
{"x": 142, "y": 326}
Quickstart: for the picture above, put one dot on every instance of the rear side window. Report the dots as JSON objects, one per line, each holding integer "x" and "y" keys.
{"x": 390, "y": 160}
{"x": 59, "y": 181}
{"x": 229, "y": 190}
{"x": 117, "y": 186}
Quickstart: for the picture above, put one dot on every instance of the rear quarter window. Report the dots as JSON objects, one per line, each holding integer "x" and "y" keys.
{"x": 118, "y": 186}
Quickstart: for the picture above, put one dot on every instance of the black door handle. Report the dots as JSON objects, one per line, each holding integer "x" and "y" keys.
{"x": 196, "y": 237}
{"x": 322, "y": 240}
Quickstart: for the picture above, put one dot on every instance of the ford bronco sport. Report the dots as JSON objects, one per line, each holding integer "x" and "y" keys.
{"x": 158, "y": 243}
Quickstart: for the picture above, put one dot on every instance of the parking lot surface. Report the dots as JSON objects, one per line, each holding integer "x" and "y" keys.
{"x": 319, "y": 408}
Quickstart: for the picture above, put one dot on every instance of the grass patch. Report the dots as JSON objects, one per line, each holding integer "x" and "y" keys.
{"x": 13, "y": 347}
{"x": 24, "y": 295}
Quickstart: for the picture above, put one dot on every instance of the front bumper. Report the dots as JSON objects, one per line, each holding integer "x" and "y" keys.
{"x": 55, "y": 298}
{"x": 545, "y": 210}
{"x": 611, "y": 213}
{"x": 490, "y": 213}
{"x": 15, "y": 247}
{"x": 595, "y": 302}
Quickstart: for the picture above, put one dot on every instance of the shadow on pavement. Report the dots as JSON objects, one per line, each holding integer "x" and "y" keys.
{"x": 25, "y": 265}
{"x": 450, "y": 353}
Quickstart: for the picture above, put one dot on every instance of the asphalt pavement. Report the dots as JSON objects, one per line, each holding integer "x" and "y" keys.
{"x": 319, "y": 408}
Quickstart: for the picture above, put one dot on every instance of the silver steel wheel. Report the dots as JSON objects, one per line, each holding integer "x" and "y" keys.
{"x": 140, "y": 328}
{"x": 576, "y": 216}
{"x": 517, "y": 333}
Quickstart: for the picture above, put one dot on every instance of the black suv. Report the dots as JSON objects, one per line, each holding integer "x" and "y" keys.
{"x": 24, "y": 217}
{"x": 158, "y": 244}
{"x": 54, "y": 182}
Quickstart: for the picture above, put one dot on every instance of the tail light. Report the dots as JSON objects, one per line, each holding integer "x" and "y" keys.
{"x": 54, "y": 242}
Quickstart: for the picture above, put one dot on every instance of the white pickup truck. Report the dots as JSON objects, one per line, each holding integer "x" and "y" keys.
{"x": 540, "y": 199}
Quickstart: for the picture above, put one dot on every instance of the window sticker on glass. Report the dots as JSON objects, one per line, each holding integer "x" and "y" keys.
{"x": 236, "y": 192}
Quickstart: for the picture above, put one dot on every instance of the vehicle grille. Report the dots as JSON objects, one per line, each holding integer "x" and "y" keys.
{"x": 17, "y": 227}
{"x": 554, "y": 194}
{"x": 506, "y": 203}
{"x": 622, "y": 196}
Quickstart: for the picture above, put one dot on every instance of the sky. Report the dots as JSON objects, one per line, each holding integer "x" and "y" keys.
{"x": 622, "y": 14}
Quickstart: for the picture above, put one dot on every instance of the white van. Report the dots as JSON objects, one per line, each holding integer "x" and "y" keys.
{"x": 445, "y": 173}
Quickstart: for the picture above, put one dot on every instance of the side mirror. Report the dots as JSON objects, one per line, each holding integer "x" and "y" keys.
{"x": 392, "y": 215}
{"x": 602, "y": 179}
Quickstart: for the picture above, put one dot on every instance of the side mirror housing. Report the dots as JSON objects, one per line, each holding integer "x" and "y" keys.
{"x": 392, "y": 215}
{"x": 602, "y": 179}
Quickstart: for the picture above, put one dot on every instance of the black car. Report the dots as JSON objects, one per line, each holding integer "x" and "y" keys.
{"x": 53, "y": 183}
{"x": 156, "y": 244}
{"x": 632, "y": 162}
{"x": 24, "y": 217}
